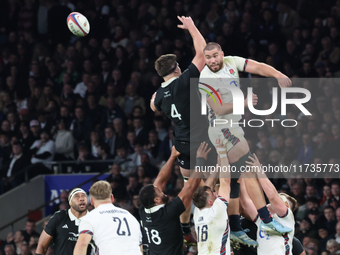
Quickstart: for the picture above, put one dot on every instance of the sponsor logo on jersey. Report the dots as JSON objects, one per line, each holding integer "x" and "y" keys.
{"x": 65, "y": 226}
{"x": 200, "y": 219}
{"x": 167, "y": 94}
{"x": 73, "y": 238}
{"x": 148, "y": 219}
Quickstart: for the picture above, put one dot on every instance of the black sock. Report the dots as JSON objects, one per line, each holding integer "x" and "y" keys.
{"x": 186, "y": 228}
{"x": 235, "y": 223}
{"x": 264, "y": 214}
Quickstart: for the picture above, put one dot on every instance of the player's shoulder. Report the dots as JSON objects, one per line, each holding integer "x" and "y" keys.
{"x": 60, "y": 214}
{"x": 231, "y": 59}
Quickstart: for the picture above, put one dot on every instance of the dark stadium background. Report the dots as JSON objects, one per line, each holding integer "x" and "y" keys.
{"x": 42, "y": 63}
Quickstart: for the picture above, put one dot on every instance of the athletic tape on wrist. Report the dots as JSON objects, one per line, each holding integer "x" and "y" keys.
{"x": 222, "y": 155}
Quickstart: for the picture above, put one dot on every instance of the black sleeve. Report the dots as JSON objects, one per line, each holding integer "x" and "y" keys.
{"x": 297, "y": 247}
{"x": 157, "y": 101}
{"x": 175, "y": 208}
{"x": 44, "y": 155}
{"x": 52, "y": 224}
{"x": 190, "y": 72}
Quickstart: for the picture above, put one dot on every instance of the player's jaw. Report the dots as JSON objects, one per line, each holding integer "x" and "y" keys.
{"x": 215, "y": 66}
{"x": 80, "y": 207}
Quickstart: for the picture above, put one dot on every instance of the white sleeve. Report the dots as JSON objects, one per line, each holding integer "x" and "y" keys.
{"x": 239, "y": 62}
{"x": 85, "y": 227}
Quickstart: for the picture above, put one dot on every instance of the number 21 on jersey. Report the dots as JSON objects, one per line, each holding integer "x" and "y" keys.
{"x": 174, "y": 112}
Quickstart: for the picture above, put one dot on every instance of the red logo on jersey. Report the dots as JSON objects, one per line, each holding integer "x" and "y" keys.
{"x": 231, "y": 71}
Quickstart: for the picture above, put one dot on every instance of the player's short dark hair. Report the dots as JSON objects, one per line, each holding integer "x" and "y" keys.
{"x": 212, "y": 46}
{"x": 164, "y": 64}
{"x": 147, "y": 195}
{"x": 200, "y": 197}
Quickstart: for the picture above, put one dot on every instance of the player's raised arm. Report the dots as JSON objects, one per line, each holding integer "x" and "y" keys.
{"x": 247, "y": 207}
{"x": 165, "y": 173}
{"x": 224, "y": 190}
{"x": 275, "y": 201}
{"x": 267, "y": 71}
{"x": 197, "y": 38}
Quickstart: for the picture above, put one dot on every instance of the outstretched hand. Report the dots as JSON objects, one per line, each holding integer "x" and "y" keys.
{"x": 284, "y": 81}
{"x": 203, "y": 151}
{"x": 187, "y": 22}
{"x": 254, "y": 100}
{"x": 254, "y": 162}
{"x": 174, "y": 152}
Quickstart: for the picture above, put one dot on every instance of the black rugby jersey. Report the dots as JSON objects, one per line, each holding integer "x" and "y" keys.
{"x": 180, "y": 100}
{"x": 64, "y": 232}
{"x": 162, "y": 230}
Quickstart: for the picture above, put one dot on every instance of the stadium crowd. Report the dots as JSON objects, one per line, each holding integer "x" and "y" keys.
{"x": 64, "y": 98}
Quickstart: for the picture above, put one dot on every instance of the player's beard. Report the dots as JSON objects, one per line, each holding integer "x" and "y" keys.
{"x": 220, "y": 65}
{"x": 78, "y": 208}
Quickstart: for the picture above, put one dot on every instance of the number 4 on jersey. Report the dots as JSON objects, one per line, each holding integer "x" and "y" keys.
{"x": 174, "y": 112}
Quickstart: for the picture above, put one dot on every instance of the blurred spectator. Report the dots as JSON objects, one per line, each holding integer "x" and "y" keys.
{"x": 306, "y": 150}
{"x": 118, "y": 182}
{"x": 328, "y": 220}
{"x": 19, "y": 240}
{"x": 64, "y": 143}
{"x": 141, "y": 132}
{"x": 159, "y": 126}
{"x": 11, "y": 173}
{"x": 111, "y": 112}
{"x": 81, "y": 126}
{"x": 35, "y": 129}
{"x": 94, "y": 142}
{"x": 332, "y": 246}
{"x": 154, "y": 143}
{"x": 133, "y": 186}
{"x": 112, "y": 140}
{"x": 10, "y": 249}
{"x": 42, "y": 151}
{"x": 127, "y": 165}
{"x": 335, "y": 189}
{"x": 30, "y": 231}
{"x": 63, "y": 198}
{"x": 25, "y": 136}
{"x": 130, "y": 99}
{"x": 104, "y": 154}
{"x": 84, "y": 155}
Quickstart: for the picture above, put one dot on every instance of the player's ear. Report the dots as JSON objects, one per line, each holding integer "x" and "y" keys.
{"x": 91, "y": 199}
{"x": 112, "y": 199}
{"x": 222, "y": 53}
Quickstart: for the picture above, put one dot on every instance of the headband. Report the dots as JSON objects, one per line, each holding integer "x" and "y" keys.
{"x": 171, "y": 70}
{"x": 75, "y": 191}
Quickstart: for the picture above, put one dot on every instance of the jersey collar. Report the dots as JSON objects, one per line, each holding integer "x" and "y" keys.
{"x": 74, "y": 218}
{"x": 166, "y": 83}
{"x": 154, "y": 209}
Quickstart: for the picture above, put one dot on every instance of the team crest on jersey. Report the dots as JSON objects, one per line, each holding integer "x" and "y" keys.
{"x": 231, "y": 71}
{"x": 200, "y": 219}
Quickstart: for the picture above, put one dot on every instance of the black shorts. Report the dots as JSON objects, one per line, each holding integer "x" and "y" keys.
{"x": 187, "y": 159}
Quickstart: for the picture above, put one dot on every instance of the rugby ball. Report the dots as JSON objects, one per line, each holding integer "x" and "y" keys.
{"x": 78, "y": 24}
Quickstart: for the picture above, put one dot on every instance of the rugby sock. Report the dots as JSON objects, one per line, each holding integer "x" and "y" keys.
{"x": 264, "y": 214}
{"x": 186, "y": 228}
{"x": 235, "y": 223}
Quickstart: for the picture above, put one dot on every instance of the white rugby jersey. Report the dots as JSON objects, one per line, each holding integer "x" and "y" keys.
{"x": 276, "y": 244}
{"x": 221, "y": 80}
{"x": 114, "y": 230}
{"x": 212, "y": 229}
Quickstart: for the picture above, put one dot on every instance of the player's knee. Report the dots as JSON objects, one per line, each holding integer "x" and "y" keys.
{"x": 234, "y": 188}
